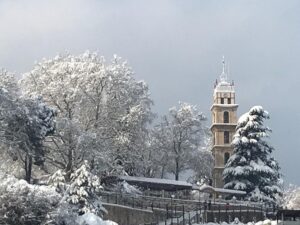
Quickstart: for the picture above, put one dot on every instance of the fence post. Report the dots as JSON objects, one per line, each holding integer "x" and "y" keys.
{"x": 167, "y": 211}
{"x": 209, "y": 205}
{"x": 240, "y": 212}
{"x": 219, "y": 213}
{"x": 247, "y": 218}
{"x": 183, "y": 214}
{"x": 175, "y": 210}
{"x": 200, "y": 215}
{"x": 190, "y": 218}
{"x": 227, "y": 212}
{"x": 254, "y": 214}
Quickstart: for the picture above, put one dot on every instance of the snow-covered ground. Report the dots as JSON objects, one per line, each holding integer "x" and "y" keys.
{"x": 92, "y": 219}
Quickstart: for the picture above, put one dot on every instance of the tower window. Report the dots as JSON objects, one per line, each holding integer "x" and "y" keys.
{"x": 226, "y": 157}
{"x": 222, "y": 100}
{"x": 226, "y": 117}
{"x": 229, "y": 100}
{"x": 226, "y": 137}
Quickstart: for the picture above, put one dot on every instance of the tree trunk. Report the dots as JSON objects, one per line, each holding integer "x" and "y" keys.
{"x": 177, "y": 170}
{"x": 70, "y": 156}
{"x": 92, "y": 163}
{"x": 163, "y": 171}
{"x": 28, "y": 168}
{"x": 69, "y": 166}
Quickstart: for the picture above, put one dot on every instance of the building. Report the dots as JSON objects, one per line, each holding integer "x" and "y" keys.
{"x": 224, "y": 121}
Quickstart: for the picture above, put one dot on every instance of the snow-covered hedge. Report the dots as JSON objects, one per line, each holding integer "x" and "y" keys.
{"x": 23, "y": 203}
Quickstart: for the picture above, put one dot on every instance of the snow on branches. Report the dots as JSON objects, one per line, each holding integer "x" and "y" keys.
{"x": 178, "y": 139}
{"x": 23, "y": 203}
{"x": 8, "y": 82}
{"x": 252, "y": 168}
{"x": 83, "y": 191}
{"x": 291, "y": 197}
{"x": 24, "y": 124}
{"x": 98, "y": 98}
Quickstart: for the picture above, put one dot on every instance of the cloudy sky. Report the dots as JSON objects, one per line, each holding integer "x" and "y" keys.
{"x": 176, "y": 46}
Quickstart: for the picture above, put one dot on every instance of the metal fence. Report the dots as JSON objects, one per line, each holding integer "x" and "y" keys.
{"x": 169, "y": 211}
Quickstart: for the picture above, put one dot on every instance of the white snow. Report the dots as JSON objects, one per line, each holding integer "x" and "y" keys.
{"x": 219, "y": 190}
{"x": 92, "y": 219}
{"x": 291, "y": 197}
{"x": 252, "y": 157}
{"x": 156, "y": 181}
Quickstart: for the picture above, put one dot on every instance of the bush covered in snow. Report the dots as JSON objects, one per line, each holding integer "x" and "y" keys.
{"x": 23, "y": 204}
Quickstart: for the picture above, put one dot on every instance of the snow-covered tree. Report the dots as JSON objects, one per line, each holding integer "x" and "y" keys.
{"x": 24, "y": 124}
{"x": 251, "y": 167}
{"x": 58, "y": 181}
{"x": 97, "y": 97}
{"x": 291, "y": 197}
{"x": 8, "y": 82}
{"x": 70, "y": 145}
{"x": 179, "y": 137}
{"x": 201, "y": 162}
{"x": 83, "y": 190}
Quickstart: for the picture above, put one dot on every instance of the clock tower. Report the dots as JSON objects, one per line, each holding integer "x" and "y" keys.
{"x": 224, "y": 121}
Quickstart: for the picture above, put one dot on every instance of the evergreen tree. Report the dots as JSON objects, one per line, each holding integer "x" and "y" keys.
{"x": 252, "y": 168}
{"x": 82, "y": 192}
{"x": 58, "y": 181}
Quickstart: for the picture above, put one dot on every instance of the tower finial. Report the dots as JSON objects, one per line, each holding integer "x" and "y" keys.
{"x": 223, "y": 62}
{"x": 223, "y": 77}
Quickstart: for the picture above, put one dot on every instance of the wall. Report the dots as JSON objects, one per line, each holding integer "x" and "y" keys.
{"x": 124, "y": 215}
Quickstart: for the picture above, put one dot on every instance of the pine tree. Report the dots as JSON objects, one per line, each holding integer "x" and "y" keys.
{"x": 83, "y": 191}
{"x": 58, "y": 181}
{"x": 252, "y": 168}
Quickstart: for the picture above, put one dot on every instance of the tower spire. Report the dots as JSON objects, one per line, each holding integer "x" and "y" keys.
{"x": 223, "y": 77}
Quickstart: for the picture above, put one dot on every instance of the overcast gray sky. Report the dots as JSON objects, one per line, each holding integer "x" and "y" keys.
{"x": 176, "y": 47}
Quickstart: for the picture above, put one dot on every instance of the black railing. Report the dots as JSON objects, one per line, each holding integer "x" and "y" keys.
{"x": 179, "y": 211}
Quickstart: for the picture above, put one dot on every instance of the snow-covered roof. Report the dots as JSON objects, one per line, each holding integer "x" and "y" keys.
{"x": 208, "y": 188}
{"x": 155, "y": 180}
{"x": 224, "y": 85}
{"x": 166, "y": 184}
{"x": 156, "y": 183}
